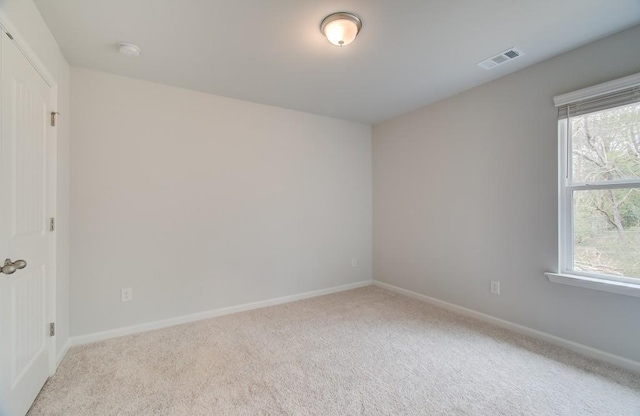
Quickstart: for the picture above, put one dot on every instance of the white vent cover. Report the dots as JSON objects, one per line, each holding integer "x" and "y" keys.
{"x": 501, "y": 58}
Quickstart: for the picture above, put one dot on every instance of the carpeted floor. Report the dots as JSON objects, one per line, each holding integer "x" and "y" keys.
{"x": 362, "y": 352}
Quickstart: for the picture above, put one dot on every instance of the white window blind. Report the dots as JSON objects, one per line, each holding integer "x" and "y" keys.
{"x": 600, "y": 97}
{"x": 601, "y": 102}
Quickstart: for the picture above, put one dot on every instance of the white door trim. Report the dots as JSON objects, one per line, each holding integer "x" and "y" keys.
{"x": 7, "y": 26}
{"x": 23, "y": 46}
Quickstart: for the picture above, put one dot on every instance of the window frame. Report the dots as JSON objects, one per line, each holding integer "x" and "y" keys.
{"x": 565, "y": 274}
{"x": 566, "y": 188}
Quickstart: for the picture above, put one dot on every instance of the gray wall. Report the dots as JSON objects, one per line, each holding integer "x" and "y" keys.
{"x": 199, "y": 202}
{"x": 465, "y": 191}
{"x": 26, "y": 18}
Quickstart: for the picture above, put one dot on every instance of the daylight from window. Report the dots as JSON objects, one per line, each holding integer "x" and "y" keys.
{"x": 606, "y": 216}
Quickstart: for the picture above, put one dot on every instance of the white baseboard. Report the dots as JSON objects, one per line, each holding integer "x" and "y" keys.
{"x": 63, "y": 352}
{"x": 533, "y": 333}
{"x": 134, "y": 329}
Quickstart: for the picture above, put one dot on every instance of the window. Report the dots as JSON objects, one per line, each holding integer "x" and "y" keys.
{"x": 599, "y": 184}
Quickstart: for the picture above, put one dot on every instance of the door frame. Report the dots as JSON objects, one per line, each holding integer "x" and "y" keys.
{"x": 6, "y": 26}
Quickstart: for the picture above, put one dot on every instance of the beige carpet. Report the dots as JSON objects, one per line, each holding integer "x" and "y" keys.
{"x": 362, "y": 352}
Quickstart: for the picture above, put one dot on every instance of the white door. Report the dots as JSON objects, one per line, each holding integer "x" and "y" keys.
{"x": 24, "y": 234}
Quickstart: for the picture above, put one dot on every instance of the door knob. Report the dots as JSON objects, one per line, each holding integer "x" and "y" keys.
{"x": 10, "y": 267}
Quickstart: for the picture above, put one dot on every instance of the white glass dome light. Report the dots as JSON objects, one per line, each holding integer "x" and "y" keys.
{"x": 341, "y": 28}
{"x": 129, "y": 49}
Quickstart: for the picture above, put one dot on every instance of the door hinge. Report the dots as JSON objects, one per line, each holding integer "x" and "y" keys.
{"x": 53, "y": 118}
{"x": 52, "y": 224}
{"x": 52, "y": 329}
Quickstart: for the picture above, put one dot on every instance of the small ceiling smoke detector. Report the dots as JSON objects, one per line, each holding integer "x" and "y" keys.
{"x": 501, "y": 58}
{"x": 341, "y": 28}
{"x": 128, "y": 49}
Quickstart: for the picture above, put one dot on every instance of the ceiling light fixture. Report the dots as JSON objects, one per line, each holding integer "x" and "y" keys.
{"x": 341, "y": 28}
{"x": 128, "y": 49}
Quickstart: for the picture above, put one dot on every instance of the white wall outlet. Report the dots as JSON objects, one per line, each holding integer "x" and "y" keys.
{"x": 354, "y": 262}
{"x": 495, "y": 287}
{"x": 126, "y": 295}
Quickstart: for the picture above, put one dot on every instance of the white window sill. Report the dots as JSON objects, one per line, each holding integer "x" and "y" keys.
{"x": 629, "y": 289}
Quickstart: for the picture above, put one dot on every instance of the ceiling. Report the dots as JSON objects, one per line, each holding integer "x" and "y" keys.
{"x": 409, "y": 53}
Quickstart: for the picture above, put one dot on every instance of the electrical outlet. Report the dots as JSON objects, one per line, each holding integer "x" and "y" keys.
{"x": 354, "y": 262}
{"x": 126, "y": 295}
{"x": 495, "y": 287}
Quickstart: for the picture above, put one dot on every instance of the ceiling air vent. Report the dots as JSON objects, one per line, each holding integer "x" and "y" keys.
{"x": 501, "y": 58}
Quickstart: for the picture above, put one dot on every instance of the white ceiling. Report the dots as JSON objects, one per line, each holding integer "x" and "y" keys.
{"x": 410, "y": 52}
